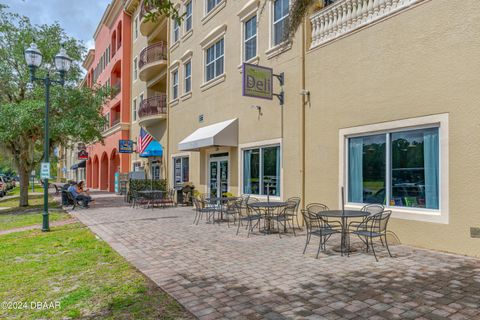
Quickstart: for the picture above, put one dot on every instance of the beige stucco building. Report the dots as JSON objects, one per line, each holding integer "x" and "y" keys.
{"x": 379, "y": 99}
{"x": 148, "y": 89}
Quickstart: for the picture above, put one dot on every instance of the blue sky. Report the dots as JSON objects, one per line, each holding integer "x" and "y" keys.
{"x": 79, "y": 18}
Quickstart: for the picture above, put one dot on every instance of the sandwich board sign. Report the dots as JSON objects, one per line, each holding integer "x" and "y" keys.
{"x": 257, "y": 81}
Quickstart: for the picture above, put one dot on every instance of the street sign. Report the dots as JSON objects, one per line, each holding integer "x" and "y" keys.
{"x": 45, "y": 170}
{"x": 82, "y": 155}
{"x": 125, "y": 146}
{"x": 257, "y": 81}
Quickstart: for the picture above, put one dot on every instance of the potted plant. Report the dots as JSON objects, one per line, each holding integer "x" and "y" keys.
{"x": 187, "y": 189}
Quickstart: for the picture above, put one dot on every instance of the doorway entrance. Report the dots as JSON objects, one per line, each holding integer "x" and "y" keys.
{"x": 218, "y": 174}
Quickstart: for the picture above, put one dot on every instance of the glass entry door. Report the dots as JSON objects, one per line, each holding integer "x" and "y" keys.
{"x": 218, "y": 175}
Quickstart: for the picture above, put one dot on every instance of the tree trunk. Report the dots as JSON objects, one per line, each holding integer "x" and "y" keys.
{"x": 24, "y": 174}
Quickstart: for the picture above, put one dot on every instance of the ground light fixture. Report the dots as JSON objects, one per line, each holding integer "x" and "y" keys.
{"x": 33, "y": 58}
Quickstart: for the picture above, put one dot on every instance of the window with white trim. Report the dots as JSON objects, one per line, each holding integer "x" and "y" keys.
{"x": 188, "y": 16}
{"x": 134, "y": 110}
{"x": 187, "y": 67}
{"x": 176, "y": 31}
{"x": 250, "y": 38}
{"x": 175, "y": 84}
{"x": 280, "y": 21}
{"x": 211, "y": 4}
{"x": 180, "y": 171}
{"x": 135, "y": 68}
{"x": 397, "y": 168}
{"x": 261, "y": 170}
{"x": 135, "y": 23}
{"x": 214, "y": 59}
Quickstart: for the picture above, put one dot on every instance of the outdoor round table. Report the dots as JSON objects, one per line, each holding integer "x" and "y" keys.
{"x": 221, "y": 204}
{"x": 267, "y": 206}
{"x": 344, "y": 215}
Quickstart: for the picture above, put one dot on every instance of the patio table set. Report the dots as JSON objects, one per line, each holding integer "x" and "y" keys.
{"x": 153, "y": 198}
{"x": 369, "y": 223}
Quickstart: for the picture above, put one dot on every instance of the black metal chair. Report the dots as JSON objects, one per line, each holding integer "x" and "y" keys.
{"x": 251, "y": 215}
{"x": 317, "y": 208}
{"x": 200, "y": 210}
{"x": 297, "y": 201}
{"x": 316, "y": 226}
{"x": 372, "y": 208}
{"x": 286, "y": 217}
{"x": 375, "y": 226}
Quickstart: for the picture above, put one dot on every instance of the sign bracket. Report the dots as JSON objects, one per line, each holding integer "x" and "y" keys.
{"x": 280, "y": 97}
{"x": 280, "y": 77}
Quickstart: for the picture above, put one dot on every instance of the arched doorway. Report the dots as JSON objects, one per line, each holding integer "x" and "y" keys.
{"x": 104, "y": 172}
{"x": 114, "y": 168}
{"x": 89, "y": 173}
{"x": 95, "y": 174}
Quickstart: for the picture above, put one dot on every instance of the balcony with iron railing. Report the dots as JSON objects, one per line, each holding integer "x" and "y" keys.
{"x": 338, "y": 18}
{"x": 152, "y": 60}
{"x": 152, "y": 109}
{"x": 147, "y": 27}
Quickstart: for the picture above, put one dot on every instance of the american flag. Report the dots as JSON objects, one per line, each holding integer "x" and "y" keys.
{"x": 143, "y": 140}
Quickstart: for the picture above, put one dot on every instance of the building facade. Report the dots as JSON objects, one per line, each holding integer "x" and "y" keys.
{"x": 109, "y": 65}
{"x": 148, "y": 106}
{"x": 378, "y": 102}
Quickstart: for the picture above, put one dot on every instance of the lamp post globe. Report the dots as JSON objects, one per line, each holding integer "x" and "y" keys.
{"x": 33, "y": 56}
{"x": 62, "y": 61}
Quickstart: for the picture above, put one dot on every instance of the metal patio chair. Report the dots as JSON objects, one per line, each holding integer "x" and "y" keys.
{"x": 375, "y": 227}
{"x": 251, "y": 215}
{"x": 200, "y": 210}
{"x": 316, "y": 226}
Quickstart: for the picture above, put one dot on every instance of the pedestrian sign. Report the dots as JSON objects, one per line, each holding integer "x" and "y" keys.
{"x": 45, "y": 170}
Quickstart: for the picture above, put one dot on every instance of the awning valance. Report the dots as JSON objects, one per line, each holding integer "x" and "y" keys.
{"x": 223, "y": 133}
{"x": 81, "y": 164}
{"x": 154, "y": 149}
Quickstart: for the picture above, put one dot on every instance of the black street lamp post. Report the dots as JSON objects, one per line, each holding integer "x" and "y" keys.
{"x": 33, "y": 58}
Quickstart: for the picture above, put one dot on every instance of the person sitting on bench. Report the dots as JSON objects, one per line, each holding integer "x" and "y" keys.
{"x": 76, "y": 192}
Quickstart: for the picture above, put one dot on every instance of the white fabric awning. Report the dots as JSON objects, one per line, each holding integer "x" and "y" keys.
{"x": 223, "y": 133}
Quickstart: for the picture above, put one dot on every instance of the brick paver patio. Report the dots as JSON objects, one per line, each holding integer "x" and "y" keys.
{"x": 218, "y": 275}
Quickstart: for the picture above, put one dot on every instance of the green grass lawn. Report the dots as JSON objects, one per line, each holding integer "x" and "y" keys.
{"x": 70, "y": 266}
{"x": 33, "y": 201}
{"x": 17, "y": 220}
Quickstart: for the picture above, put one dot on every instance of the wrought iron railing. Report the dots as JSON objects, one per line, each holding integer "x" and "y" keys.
{"x": 153, "y": 53}
{"x": 156, "y": 105}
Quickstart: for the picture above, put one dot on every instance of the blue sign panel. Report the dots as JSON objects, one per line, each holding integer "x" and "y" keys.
{"x": 125, "y": 146}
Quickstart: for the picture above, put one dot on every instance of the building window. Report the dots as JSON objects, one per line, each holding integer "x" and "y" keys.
{"x": 137, "y": 166}
{"x": 140, "y": 99}
{"x": 180, "y": 171}
{"x": 176, "y": 31}
{"x": 136, "y": 27}
{"x": 135, "y": 68}
{"x": 188, "y": 76}
{"x": 174, "y": 84}
{"x": 280, "y": 20}
{"x": 261, "y": 171}
{"x": 188, "y": 16}
{"x": 397, "y": 169}
{"x": 107, "y": 121}
{"x": 250, "y": 38}
{"x": 212, "y": 4}
{"x": 214, "y": 61}
{"x": 134, "y": 110}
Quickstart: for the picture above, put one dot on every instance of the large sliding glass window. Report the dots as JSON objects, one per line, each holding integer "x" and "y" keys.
{"x": 398, "y": 168}
{"x": 180, "y": 171}
{"x": 261, "y": 171}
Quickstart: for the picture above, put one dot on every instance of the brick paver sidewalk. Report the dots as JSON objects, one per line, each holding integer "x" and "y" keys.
{"x": 218, "y": 275}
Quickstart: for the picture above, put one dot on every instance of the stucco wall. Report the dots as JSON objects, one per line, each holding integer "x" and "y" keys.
{"x": 421, "y": 62}
{"x": 224, "y": 101}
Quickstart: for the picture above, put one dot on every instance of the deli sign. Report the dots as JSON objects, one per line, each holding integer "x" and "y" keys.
{"x": 82, "y": 155}
{"x": 257, "y": 81}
